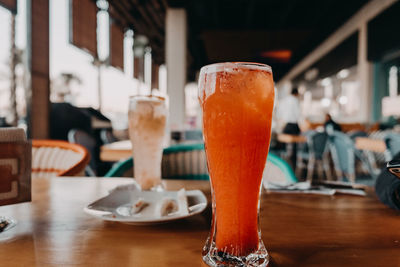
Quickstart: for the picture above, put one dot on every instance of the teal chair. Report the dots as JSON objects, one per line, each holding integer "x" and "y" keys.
{"x": 278, "y": 171}
{"x": 345, "y": 155}
{"x": 183, "y": 161}
{"x": 316, "y": 152}
{"x": 188, "y": 161}
{"x": 392, "y": 141}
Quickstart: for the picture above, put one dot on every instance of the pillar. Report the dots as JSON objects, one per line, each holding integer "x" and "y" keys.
{"x": 38, "y": 64}
{"x": 176, "y": 46}
{"x": 364, "y": 72}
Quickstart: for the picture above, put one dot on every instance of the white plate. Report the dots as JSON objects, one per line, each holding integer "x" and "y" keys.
{"x": 115, "y": 206}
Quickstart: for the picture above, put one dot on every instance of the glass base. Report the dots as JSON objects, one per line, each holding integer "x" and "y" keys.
{"x": 213, "y": 257}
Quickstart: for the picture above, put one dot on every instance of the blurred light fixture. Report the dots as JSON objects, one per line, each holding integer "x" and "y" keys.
{"x": 302, "y": 89}
{"x": 343, "y": 74}
{"x": 325, "y": 102}
{"x": 140, "y": 43}
{"x": 311, "y": 74}
{"x": 102, "y": 4}
{"x": 282, "y": 55}
{"x": 326, "y": 81}
{"x": 147, "y": 67}
{"x": 343, "y": 100}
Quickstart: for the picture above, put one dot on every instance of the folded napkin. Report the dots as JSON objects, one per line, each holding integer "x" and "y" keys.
{"x": 323, "y": 188}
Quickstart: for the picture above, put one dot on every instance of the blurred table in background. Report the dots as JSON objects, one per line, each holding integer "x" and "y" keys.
{"x": 290, "y": 139}
{"x": 116, "y": 151}
{"x": 346, "y": 127}
{"x": 370, "y": 144}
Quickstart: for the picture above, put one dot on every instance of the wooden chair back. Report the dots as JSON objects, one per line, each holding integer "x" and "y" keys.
{"x": 58, "y": 158}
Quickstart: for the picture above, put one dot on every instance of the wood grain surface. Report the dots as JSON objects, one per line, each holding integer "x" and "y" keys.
{"x": 298, "y": 230}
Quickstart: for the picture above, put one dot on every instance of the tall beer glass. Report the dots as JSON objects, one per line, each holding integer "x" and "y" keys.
{"x": 147, "y": 120}
{"x": 237, "y": 100}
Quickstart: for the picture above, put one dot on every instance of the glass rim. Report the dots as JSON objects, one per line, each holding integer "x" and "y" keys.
{"x": 223, "y": 66}
{"x": 160, "y": 98}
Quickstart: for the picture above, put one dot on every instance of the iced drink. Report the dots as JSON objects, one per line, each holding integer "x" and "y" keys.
{"x": 237, "y": 100}
{"x": 147, "y": 120}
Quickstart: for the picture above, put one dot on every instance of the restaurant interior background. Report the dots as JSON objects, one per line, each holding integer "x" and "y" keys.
{"x": 91, "y": 176}
{"x": 344, "y": 59}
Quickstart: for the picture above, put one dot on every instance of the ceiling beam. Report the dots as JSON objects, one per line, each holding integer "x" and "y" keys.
{"x": 164, "y": 4}
{"x": 144, "y": 12}
{"x": 121, "y": 12}
{"x": 152, "y": 28}
{"x": 366, "y": 13}
{"x": 157, "y": 13}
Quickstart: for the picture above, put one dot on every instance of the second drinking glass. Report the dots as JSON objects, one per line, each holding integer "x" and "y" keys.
{"x": 147, "y": 121}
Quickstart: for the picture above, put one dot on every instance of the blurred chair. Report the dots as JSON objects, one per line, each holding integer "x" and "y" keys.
{"x": 277, "y": 147}
{"x": 392, "y": 141}
{"x": 372, "y": 157}
{"x": 316, "y": 152}
{"x": 344, "y": 156}
{"x": 183, "y": 161}
{"x": 82, "y": 138}
{"x": 278, "y": 171}
{"x": 193, "y": 135}
{"x": 354, "y": 134}
{"x": 58, "y": 158}
{"x": 64, "y": 117}
{"x": 107, "y": 136}
{"x": 122, "y": 168}
{"x": 193, "y": 166}
{"x": 380, "y": 158}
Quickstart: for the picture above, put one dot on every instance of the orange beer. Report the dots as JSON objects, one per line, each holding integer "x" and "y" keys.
{"x": 237, "y": 101}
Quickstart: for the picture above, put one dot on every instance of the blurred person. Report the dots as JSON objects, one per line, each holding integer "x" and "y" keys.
{"x": 330, "y": 124}
{"x": 388, "y": 123}
{"x": 387, "y": 188}
{"x": 65, "y": 117}
{"x": 290, "y": 113}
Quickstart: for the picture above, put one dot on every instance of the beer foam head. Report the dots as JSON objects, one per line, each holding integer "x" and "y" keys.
{"x": 148, "y": 106}
{"x": 209, "y": 73}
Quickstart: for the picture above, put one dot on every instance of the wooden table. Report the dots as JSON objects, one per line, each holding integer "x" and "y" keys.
{"x": 298, "y": 230}
{"x": 116, "y": 151}
{"x": 290, "y": 138}
{"x": 370, "y": 144}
